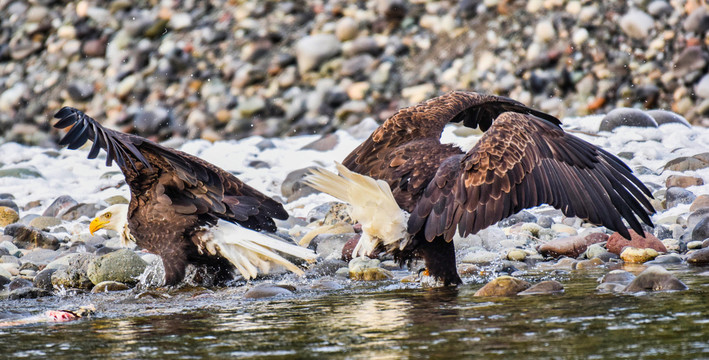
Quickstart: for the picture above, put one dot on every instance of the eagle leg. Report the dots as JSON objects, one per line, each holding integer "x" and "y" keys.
{"x": 439, "y": 257}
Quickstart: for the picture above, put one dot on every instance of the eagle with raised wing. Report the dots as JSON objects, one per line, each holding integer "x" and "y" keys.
{"x": 184, "y": 209}
{"x": 523, "y": 159}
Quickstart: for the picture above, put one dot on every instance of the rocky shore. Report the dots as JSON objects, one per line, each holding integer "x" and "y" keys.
{"x": 230, "y": 69}
{"x": 46, "y": 249}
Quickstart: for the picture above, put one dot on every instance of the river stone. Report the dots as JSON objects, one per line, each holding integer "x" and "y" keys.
{"x": 699, "y": 257}
{"x": 9, "y": 203}
{"x": 106, "y": 286}
{"x": 4, "y": 280}
{"x": 610, "y": 288}
{"x": 637, "y": 24}
{"x": 637, "y": 256}
{"x": 683, "y": 181}
{"x": 40, "y": 257}
{"x": 520, "y": 217}
{"x": 18, "y": 283}
{"x": 618, "y": 277}
{"x": 516, "y": 255}
{"x": 325, "y": 143}
{"x": 693, "y": 245}
{"x": 8, "y": 216}
{"x": 122, "y": 266}
{"x": 29, "y": 238}
{"x": 595, "y": 250}
{"x": 59, "y": 206}
{"x": 23, "y": 173}
{"x": 348, "y": 248}
{"x": 43, "y": 279}
{"x": 5, "y": 273}
{"x": 261, "y": 291}
{"x": 293, "y": 186}
{"x": 544, "y": 287}
{"x": 701, "y": 230}
{"x": 313, "y": 50}
{"x": 698, "y": 21}
{"x": 665, "y": 259}
{"x": 685, "y": 163}
{"x": 325, "y": 284}
{"x": 74, "y": 275}
{"x": 44, "y": 222}
{"x": 28, "y": 293}
{"x": 11, "y": 248}
{"x": 626, "y": 117}
{"x": 616, "y": 242}
{"x": 655, "y": 278}
{"x": 326, "y": 267}
{"x": 329, "y": 246}
{"x": 588, "y": 264}
{"x": 694, "y": 218}
{"x": 77, "y": 211}
{"x": 503, "y": 286}
{"x": 663, "y": 117}
{"x": 702, "y": 201}
{"x": 692, "y": 58}
{"x": 571, "y": 246}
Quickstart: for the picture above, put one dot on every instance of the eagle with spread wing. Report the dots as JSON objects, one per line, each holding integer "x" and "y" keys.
{"x": 523, "y": 159}
{"x": 182, "y": 208}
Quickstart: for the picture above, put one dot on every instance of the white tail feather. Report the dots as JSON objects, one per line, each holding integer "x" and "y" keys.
{"x": 252, "y": 252}
{"x": 372, "y": 204}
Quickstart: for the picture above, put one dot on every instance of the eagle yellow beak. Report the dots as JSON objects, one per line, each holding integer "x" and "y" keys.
{"x": 97, "y": 224}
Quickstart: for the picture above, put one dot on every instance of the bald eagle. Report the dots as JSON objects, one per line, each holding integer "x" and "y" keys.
{"x": 183, "y": 208}
{"x": 411, "y": 192}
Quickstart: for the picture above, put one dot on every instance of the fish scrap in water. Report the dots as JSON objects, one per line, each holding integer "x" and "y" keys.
{"x": 53, "y": 316}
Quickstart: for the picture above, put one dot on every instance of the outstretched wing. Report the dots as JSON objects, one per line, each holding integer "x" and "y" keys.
{"x": 522, "y": 161}
{"x": 426, "y": 121}
{"x": 193, "y": 186}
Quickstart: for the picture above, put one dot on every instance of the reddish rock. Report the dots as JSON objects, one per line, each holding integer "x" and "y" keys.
{"x": 571, "y": 246}
{"x": 503, "y": 286}
{"x": 349, "y": 248}
{"x": 616, "y": 242}
{"x": 683, "y": 181}
{"x": 702, "y": 201}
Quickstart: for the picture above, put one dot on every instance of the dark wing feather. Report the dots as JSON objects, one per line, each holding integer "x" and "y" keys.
{"x": 194, "y": 186}
{"x": 427, "y": 120}
{"x": 523, "y": 161}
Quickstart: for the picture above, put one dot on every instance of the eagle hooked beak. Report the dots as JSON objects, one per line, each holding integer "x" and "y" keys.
{"x": 98, "y": 223}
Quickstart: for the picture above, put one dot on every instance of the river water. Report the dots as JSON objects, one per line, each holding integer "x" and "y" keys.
{"x": 374, "y": 320}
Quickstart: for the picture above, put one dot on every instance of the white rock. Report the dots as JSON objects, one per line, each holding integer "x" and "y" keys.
{"x": 179, "y": 21}
{"x": 544, "y": 31}
{"x": 580, "y": 36}
{"x": 311, "y": 51}
{"x": 701, "y": 89}
{"x": 637, "y": 24}
{"x": 12, "y": 96}
{"x": 480, "y": 257}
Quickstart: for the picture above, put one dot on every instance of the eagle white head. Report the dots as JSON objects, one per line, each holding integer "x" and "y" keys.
{"x": 114, "y": 217}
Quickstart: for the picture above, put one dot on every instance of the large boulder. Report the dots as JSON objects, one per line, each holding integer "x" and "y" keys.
{"x": 122, "y": 266}
{"x": 617, "y": 242}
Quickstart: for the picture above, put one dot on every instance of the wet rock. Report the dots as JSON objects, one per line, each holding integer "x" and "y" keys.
{"x": 29, "y": 238}
{"x": 588, "y": 264}
{"x": 293, "y": 187}
{"x": 122, "y": 266}
{"x": 684, "y": 163}
{"x": 655, "y": 278}
{"x": 325, "y": 143}
{"x": 677, "y": 195}
{"x": 665, "y": 260}
{"x": 44, "y": 222}
{"x": 330, "y": 246}
{"x": 595, "y": 251}
{"x": 349, "y": 246}
{"x": 520, "y": 217}
{"x": 363, "y": 268}
{"x": 313, "y": 50}
{"x": 699, "y": 257}
{"x": 503, "y": 286}
{"x": 74, "y": 275}
{"x": 9, "y": 203}
{"x": 610, "y": 288}
{"x": 683, "y": 181}
{"x": 43, "y": 279}
{"x": 692, "y": 245}
{"x": 694, "y": 218}
{"x": 544, "y": 287}
{"x": 637, "y": 256}
{"x": 616, "y": 242}
{"x": 701, "y": 230}
{"x": 77, "y": 211}
{"x": 4, "y": 280}
{"x": 261, "y": 291}
{"x": 571, "y": 246}
{"x": 545, "y": 221}
{"x": 326, "y": 267}
{"x": 325, "y": 284}
{"x": 626, "y": 117}
{"x": 106, "y": 286}
{"x": 702, "y": 201}
{"x": 80, "y": 91}
{"x": 40, "y": 257}
{"x": 637, "y": 24}
{"x": 12, "y": 96}
{"x": 10, "y": 247}
{"x": 59, "y": 206}
{"x": 8, "y": 216}
{"x": 618, "y": 277}
{"x": 480, "y": 257}
{"x": 19, "y": 283}
{"x": 28, "y": 293}
{"x": 668, "y": 117}
{"x": 692, "y": 58}
{"x": 516, "y": 255}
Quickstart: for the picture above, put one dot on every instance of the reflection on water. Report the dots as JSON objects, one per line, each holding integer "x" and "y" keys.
{"x": 365, "y": 322}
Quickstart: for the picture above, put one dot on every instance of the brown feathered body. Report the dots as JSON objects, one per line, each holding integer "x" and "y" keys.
{"x": 175, "y": 197}
{"x": 524, "y": 159}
